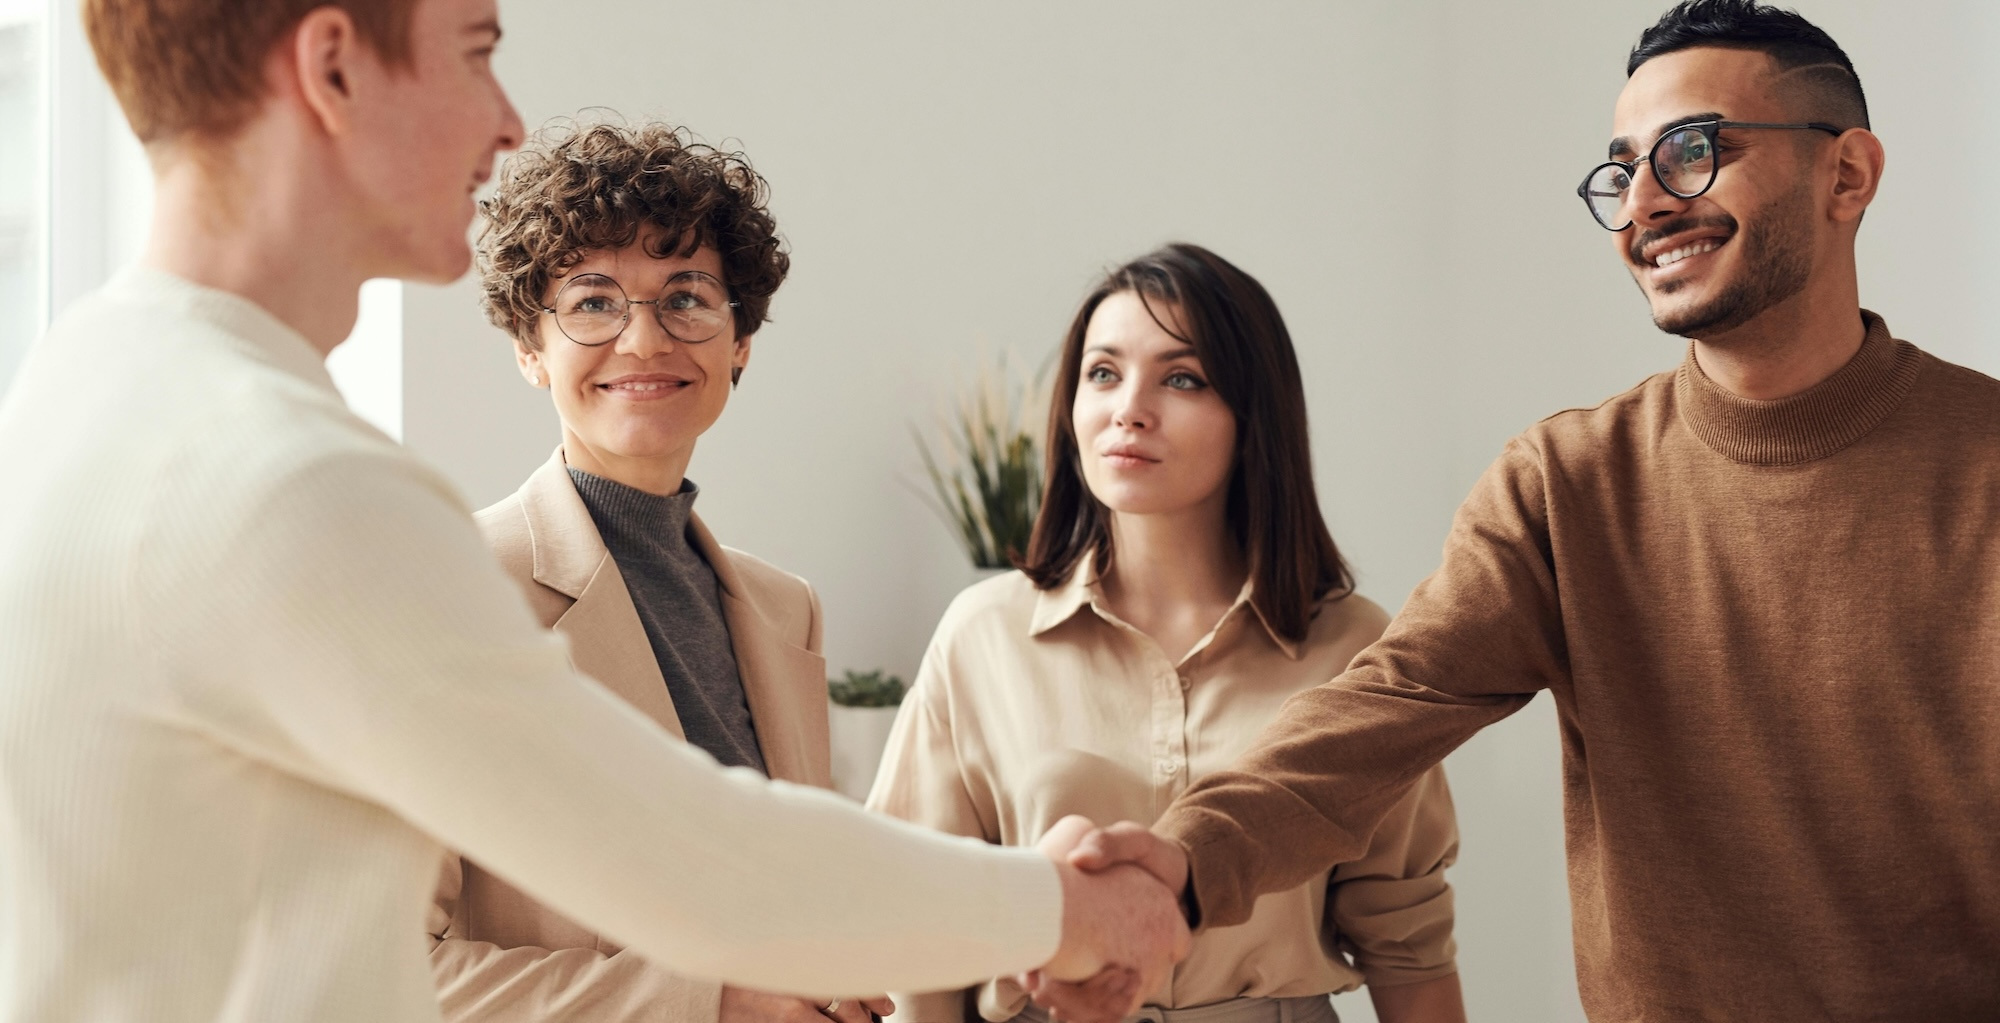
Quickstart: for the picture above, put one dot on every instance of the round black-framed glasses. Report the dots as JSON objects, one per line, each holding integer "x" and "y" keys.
{"x": 1683, "y": 162}
{"x": 592, "y": 309}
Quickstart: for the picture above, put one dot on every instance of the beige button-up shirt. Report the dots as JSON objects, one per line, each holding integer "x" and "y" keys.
{"x": 1033, "y": 705}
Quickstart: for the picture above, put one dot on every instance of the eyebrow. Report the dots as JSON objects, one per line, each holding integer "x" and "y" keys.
{"x": 1622, "y": 145}
{"x": 1168, "y": 356}
{"x": 491, "y": 25}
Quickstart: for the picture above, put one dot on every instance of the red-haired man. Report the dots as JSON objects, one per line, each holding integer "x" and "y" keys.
{"x": 256, "y": 663}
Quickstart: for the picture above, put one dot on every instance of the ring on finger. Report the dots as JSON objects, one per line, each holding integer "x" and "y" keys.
{"x": 831, "y": 1007}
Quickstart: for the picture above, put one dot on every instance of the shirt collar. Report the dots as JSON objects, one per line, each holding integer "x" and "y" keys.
{"x": 1081, "y": 590}
{"x": 1056, "y": 606}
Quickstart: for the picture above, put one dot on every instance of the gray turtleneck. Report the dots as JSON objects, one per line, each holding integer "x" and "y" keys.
{"x": 679, "y": 602}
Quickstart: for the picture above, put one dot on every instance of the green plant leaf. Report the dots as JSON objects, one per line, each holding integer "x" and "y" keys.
{"x": 866, "y": 689}
{"x": 987, "y": 483}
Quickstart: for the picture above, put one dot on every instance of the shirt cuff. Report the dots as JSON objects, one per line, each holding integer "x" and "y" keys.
{"x": 1397, "y": 976}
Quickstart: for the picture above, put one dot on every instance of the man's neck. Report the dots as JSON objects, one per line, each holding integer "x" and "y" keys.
{"x": 272, "y": 235}
{"x": 1788, "y": 348}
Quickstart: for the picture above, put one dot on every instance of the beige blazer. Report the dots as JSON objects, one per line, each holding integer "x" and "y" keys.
{"x": 497, "y": 954}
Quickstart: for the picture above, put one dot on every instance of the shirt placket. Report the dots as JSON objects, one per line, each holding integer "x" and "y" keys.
{"x": 1170, "y": 708}
{"x": 1167, "y": 686}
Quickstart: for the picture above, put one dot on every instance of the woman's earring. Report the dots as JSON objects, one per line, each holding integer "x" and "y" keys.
{"x": 535, "y": 379}
{"x": 735, "y": 376}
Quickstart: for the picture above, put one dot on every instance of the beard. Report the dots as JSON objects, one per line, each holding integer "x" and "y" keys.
{"x": 1777, "y": 262}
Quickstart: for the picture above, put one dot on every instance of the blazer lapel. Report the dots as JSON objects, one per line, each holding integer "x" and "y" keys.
{"x": 784, "y": 683}
{"x": 606, "y": 639}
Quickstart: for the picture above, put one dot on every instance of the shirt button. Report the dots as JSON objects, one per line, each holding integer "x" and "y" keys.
{"x": 1186, "y": 683}
{"x": 1170, "y": 767}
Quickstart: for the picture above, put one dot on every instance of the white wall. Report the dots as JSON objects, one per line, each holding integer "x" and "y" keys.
{"x": 1400, "y": 175}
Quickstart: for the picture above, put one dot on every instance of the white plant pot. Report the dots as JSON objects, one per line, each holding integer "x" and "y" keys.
{"x": 858, "y": 736}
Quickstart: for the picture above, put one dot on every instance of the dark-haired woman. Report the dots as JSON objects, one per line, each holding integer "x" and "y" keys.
{"x": 637, "y": 319}
{"x": 1179, "y": 587}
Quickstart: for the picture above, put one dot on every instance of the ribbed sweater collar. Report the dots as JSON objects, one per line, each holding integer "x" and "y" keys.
{"x": 630, "y": 514}
{"x": 263, "y": 336}
{"x": 1812, "y": 424}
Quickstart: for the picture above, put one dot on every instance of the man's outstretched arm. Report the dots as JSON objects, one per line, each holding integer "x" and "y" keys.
{"x": 371, "y": 646}
{"x": 1474, "y": 643}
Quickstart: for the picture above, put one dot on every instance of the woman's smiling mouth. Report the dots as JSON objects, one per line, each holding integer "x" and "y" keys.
{"x": 646, "y": 387}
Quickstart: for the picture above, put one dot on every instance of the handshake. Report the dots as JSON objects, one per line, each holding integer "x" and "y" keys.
{"x": 1122, "y": 928}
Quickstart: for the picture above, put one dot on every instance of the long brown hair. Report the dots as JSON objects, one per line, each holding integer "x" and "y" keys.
{"x": 1273, "y": 510}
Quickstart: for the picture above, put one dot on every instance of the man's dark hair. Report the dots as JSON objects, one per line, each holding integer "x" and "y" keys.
{"x": 1813, "y": 67}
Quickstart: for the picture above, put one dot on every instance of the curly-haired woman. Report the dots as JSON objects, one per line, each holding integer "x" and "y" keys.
{"x": 632, "y": 267}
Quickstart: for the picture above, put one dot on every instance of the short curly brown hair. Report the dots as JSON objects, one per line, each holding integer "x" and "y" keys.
{"x": 575, "y": 189}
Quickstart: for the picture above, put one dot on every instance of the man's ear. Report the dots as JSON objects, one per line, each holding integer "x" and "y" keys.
{"x": 325, "y": 50}
{"x": 1859, "y": 159}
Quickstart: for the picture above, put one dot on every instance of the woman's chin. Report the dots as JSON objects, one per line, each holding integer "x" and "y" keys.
{"x": 1129, "y": 503}
{"x": 645, "y": 447}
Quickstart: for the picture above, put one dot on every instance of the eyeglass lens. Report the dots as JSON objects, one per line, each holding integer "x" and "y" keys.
{"x": 592, "y": 309}
{"x": 1684, "y": 160}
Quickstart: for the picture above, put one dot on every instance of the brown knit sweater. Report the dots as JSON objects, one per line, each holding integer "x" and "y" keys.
{"x": 1772, "y": 632}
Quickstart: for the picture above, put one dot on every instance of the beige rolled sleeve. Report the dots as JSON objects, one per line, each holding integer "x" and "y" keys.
{"x": 1392, "y": 910}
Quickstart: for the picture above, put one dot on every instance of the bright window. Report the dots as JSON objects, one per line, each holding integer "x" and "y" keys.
{"x": 76, "y": 197}
{"x": 23, "y": 186}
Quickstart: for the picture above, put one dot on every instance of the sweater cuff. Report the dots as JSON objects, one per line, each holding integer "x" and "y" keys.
{"x": 1026, "y": 915}
{"x": 1217, "y": 877}
{"x": 692, "y": 1001}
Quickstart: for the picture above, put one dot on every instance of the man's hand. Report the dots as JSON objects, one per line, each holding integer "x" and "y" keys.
{"x": 1117, "y": 989}
{"x": 1122, "y": 933}
{"x": 1126, "y": 842}
{"x": 742, "y": 1005}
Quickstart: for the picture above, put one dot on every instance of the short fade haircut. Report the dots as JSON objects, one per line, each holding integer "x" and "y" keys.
{"x": 1818, "y": 73}
{"x": 195, "y": 68}
{"x": 572, "y": 190}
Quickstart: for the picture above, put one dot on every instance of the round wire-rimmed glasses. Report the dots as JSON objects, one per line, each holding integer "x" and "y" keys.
{"x": 1683, "y": 162}
{"x": 592, "y": 309}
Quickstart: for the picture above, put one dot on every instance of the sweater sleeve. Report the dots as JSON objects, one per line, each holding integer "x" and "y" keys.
{"x": 1472, "y": 645}
{"x": 349, "y": 626}
{"x": 483, "y": 982}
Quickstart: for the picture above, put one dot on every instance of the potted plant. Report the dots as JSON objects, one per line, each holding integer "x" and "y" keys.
{"x": 986, "y": 481}
{"x": 862, "y": 709}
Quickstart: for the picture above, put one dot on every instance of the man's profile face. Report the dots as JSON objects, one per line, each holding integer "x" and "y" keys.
{"x": 1746, "y": 244}
{"x": 430, "y": 137}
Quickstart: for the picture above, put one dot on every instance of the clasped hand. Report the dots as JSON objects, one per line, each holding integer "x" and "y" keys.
{"x": 742, "y": 1005}
{"x": 1122, "y": 924}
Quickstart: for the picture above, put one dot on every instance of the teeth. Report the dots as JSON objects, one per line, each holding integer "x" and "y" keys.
{"x": 1685, "y": 251}
{"x": 642, "y": 386}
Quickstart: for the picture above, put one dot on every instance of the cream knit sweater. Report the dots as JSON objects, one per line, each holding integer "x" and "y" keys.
{"x": 256, "y": 665}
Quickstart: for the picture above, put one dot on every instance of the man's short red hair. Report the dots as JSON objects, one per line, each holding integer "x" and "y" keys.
{"x": 195, "y": 67}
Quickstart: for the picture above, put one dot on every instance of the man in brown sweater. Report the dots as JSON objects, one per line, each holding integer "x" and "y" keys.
{"x": 1763, "y": 590}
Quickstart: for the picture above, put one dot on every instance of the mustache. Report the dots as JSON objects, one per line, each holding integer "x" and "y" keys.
{"x": 1641, "y": 239}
